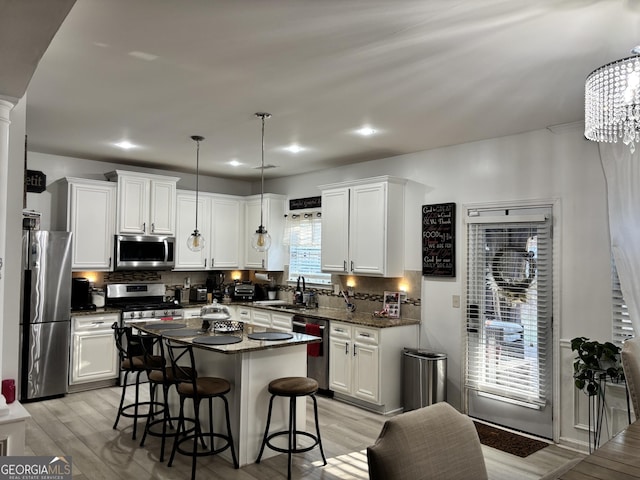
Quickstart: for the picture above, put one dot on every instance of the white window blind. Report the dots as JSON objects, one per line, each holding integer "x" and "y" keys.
{"x": 303, "y": 234}
{"x": 509, "y": 306}
{"x": 622, "y": 327}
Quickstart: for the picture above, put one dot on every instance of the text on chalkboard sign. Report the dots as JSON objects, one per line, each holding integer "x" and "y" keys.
{"x": 439, "y": 240}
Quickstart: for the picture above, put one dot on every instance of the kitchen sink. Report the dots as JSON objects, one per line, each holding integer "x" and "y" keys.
{"x": 280, "y": 304}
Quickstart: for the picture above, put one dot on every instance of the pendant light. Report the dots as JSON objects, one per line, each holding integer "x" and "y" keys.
{"x": 261, "y": 240}
{"x": 195, "y": 242}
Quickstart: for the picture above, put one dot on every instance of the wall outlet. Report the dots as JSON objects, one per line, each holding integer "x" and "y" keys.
{"x": 455, "y": 301}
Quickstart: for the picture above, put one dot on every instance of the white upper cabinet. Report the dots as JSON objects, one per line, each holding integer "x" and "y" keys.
{"x": 363, "y": 227}
{"x": 273, "y": 220}
{"x": 90, "y": 216}
{"x": 219, "y": 222}
{"x": 185, "y": 259}
{"x": 227, "y": 232}
{"x": 146, "y": 203}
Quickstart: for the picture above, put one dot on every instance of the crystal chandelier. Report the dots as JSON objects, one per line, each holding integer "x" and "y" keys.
{"x": 261, "y": 240}
{"x": 195, "y": 242}
{"x": 612, "y": 102}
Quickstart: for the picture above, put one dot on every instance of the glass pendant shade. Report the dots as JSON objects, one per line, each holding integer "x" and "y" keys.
{"x": 195, "y": 242}
{"x": 261, "y": 240}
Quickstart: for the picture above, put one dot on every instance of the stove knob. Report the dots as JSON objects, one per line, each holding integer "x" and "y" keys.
{"x": 153, "y": 314}
{"x": 167, "y": 313}
{"x": 132, "y": 314}
{"x": 139, "y": 314}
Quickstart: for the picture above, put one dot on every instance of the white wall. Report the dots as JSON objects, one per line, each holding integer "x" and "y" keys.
{"x": 537, "y": 165}
{"x": 10, "y": 323}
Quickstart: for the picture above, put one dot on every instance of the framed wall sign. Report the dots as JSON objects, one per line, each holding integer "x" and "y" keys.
{"x": 391, "y": 304}
{"x": 439, "y": 240}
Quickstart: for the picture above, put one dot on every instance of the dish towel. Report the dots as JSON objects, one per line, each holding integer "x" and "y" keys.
{"x": 313, "y": 349}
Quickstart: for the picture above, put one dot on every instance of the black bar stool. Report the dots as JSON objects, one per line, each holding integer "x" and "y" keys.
{"x": 160, "y": 376}
{"x": 133, "y": 361}
{"x": 197, "y": 389}
{"x": 292, "y": 387}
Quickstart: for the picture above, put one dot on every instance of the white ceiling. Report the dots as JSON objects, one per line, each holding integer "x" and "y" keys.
{"x": 425, "y": 74}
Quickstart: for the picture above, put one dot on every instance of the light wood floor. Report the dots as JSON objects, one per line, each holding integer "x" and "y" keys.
{"x": 80, "y": 425}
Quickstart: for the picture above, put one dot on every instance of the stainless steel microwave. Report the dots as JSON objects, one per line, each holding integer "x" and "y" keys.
{"x": 144, "y": 252}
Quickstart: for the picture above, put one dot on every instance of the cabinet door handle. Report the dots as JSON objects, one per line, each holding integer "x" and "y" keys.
{"x": 205, "y": 263}
{"x": 109, "y": 262}
{"x": 153, "y": 227}
{"x": 352, "y": 265}
{"x": 365, "y": 335}
{"x": 263, "y": 263}
{"x": 144, "y": 227}
{"x": 344, "y": 265}
{"x": 346, "y": 348}
{"x": 212, "y": 262}
{"x": 354, "y": 349}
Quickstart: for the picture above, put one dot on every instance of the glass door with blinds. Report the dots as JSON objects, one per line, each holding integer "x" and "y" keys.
{"x": 509, "y": 318}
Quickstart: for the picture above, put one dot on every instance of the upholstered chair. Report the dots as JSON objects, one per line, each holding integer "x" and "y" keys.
{"x": 435, "y": 442}
{"x": 630, "y": 356}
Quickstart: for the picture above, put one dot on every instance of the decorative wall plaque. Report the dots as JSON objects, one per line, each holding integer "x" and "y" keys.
{"x": 439, "y": 240}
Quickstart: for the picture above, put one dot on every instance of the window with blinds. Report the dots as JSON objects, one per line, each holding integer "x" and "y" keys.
{"x": 509, "y": 304}
{"x": 303, "y": 234}
{"x": 622, "y": 327}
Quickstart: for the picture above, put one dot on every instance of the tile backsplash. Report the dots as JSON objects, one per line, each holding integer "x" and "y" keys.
{"x": 366, "y": 292}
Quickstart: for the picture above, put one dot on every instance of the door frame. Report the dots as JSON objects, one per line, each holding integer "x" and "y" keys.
{"x": 556, "y": 241}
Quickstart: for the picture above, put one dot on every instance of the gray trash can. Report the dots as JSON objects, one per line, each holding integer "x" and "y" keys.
{"x": 424, "y": 378}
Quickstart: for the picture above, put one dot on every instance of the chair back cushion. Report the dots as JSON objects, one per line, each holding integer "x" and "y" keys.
{"x": 435, "y": 442}
{"x": 630, "y": 356}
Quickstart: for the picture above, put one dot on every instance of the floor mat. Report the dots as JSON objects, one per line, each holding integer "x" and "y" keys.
{"x": 507, "y": 441}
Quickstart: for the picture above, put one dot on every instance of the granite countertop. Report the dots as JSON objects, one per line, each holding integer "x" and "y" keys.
{"x": 97, "y": 311}
{"x": 357, "y": 318}
{"x": 246, "y": 345}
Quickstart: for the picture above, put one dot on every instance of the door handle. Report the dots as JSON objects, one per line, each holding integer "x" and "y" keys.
{"x": 153, "y": 227}
{"x": 346, "y": 348}
{"x": 344, "y": 265}
{"x": 144, "y": 227}
{"x": 354, "y": 349}
{"x": 352, "y": 265}
{"x": 205, "y": 263}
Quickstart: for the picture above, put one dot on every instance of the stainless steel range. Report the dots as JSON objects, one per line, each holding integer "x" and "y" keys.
{"x": 140, "y": 302}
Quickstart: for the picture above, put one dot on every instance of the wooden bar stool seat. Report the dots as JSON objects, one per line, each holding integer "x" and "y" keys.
{"x": 292, "y": 388}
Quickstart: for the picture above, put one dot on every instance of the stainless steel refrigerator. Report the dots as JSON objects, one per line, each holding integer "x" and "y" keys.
{"x": 46, "y": 314}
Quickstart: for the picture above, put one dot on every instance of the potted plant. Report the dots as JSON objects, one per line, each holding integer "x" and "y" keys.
{"x": 595, "y": 364}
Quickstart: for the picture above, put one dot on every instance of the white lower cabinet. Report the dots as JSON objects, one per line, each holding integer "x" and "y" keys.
{"x": 94, "y": 355}
{"x": 365, "y": 363}
{"x": 264, "y": 318}
{"x": 192, "y": 312}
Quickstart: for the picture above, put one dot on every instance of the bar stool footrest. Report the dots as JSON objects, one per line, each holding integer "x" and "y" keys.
{"x": 124, "y": 411}
{"x": 198, "y": 438}
{"x": 295, "y": 449}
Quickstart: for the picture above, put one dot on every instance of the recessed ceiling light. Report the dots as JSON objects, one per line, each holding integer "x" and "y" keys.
{"x": 125, "y": 145}
{"x": 294, "y": 148}
{"x": 235, "y": 163}
{"x": 366, "y": 131}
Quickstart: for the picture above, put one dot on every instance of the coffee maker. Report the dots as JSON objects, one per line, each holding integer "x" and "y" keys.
{"x": 215, "y": 285}
{"x": 81, "y": 294}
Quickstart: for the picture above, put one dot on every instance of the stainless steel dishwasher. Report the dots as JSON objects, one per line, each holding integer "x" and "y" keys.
{"x": 317, "y": 354}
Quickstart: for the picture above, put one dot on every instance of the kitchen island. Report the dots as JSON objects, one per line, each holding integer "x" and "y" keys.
{"x": 249, "y": 365}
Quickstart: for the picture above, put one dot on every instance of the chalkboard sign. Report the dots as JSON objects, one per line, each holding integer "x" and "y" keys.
{"x": 439, "y": 240}
{"x": 302, "y": 203}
